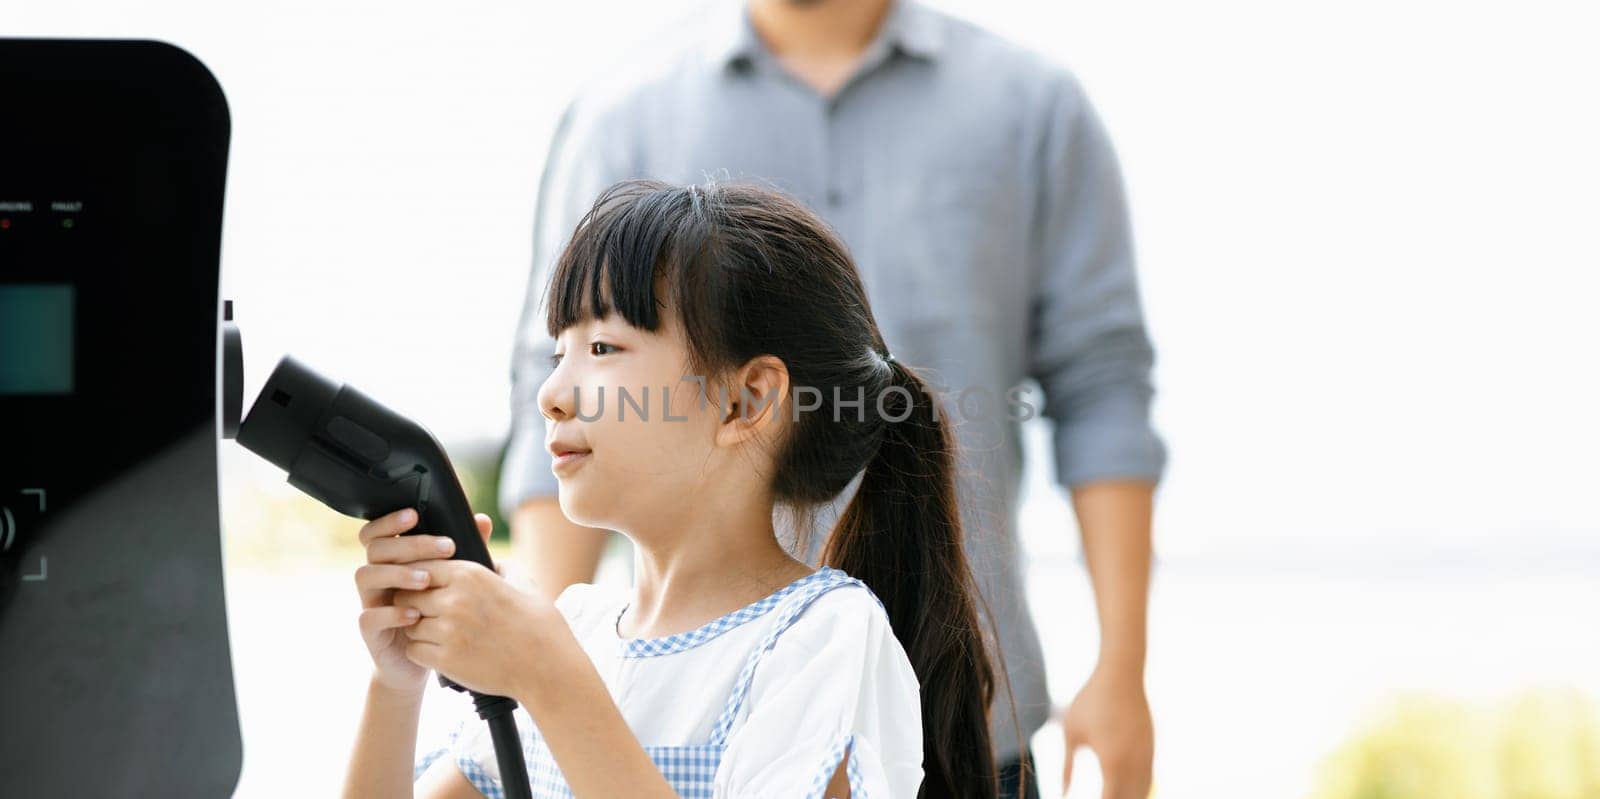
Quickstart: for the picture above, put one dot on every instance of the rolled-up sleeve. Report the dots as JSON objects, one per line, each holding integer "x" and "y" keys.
{"x": 584, "y": 157}
{"x": 1091, "y": 353}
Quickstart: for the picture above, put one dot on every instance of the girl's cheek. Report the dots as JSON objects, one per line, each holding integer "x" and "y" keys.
{"x": 694, "y": 399}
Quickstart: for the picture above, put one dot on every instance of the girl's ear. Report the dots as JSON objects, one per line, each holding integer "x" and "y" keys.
{"x": 757, "y": 400}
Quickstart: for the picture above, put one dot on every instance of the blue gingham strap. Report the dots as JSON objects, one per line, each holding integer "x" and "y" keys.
{"x": 852, "y": 770}
{"x": 790, "y": 611}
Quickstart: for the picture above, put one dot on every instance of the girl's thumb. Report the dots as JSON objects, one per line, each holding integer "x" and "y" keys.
{"x": 486, "y": 529}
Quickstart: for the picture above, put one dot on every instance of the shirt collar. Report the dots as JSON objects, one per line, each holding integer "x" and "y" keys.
{"x": 909, "y": 26}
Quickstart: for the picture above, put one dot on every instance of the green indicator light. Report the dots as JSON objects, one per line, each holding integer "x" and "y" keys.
{"x": 66, "y": 223}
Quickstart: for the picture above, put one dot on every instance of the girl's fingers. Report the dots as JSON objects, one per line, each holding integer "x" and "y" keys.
{"x": 427, "y": 603}
{"x": 422, "y": 653}
{"x": 388, "y": 525}
{"x": 425, "y": 631}
{"x": 375, "y": 577}
{"x": 486, "y": 529}
{"x": 376, "y": 620}
{"x": 408, "y": 548}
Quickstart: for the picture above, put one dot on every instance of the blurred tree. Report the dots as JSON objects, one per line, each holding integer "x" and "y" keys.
{"x": 478, "y": 464}
{"x": 1541, "y": 744}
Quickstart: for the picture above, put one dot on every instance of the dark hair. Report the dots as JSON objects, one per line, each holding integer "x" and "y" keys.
{"x": 753, "y": 272}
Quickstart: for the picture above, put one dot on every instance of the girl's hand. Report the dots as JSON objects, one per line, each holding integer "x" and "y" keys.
{"x": 393, "y": 561}
{"x": 483, "y": 632}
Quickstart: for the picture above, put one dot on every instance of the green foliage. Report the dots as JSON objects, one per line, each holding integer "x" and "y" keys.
{"x": 479, "y": 468}
{"x": 1541, "y": 744}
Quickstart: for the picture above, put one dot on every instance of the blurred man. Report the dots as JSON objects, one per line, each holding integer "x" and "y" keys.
{"x": 977, "y": 190}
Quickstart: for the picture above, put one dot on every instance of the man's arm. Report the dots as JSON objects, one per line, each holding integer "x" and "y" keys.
{"x": 585, "y": 156}
{"x": 1093, "y": 358}
{"x": 1111, "y": 713}
{"x": 1114, "y": 522}
{"x": 554, "y": 551}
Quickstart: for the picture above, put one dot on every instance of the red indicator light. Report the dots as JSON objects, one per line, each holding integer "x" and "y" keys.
{"x": 5, "y": 224}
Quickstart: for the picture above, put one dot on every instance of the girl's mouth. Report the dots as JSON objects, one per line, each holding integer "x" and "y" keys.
{"x": 566, "y": 459}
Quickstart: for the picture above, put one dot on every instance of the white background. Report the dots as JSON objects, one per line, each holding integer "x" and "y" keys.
{"x": 1367, "y": 244}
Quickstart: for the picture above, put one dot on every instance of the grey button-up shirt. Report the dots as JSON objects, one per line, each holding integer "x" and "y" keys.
{"x": 981, "y": 198}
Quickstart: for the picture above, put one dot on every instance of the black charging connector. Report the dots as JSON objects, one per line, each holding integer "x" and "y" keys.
{"x": 364, "y": 460}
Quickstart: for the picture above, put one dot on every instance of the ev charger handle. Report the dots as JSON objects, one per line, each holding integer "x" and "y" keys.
{"x": 364, "y": 460}
{"x": 357, "y": 456}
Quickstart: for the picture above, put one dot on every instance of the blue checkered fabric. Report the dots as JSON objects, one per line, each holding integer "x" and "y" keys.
{"x": 666, "y": 645}
{"x": 690, "y": 769}
{"x": 852, "y": 771}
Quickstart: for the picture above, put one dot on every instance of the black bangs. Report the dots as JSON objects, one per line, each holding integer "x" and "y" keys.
{"x": 636, "y": 233}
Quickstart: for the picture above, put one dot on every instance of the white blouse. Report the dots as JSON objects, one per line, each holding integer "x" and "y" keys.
{"x": 761, "y": 702}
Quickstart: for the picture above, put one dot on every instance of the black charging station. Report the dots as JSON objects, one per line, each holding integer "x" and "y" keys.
{"x": 120, "y": 370}
{"x": 115, "y": 677}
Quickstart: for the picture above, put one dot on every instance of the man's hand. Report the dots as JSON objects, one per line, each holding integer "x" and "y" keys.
{"x": 1111, "y": 716}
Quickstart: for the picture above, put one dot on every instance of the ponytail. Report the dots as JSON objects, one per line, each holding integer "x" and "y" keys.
{"x": 901, "y": 535}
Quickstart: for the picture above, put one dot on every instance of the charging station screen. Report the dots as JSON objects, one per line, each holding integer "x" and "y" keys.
{"x": 36, "y": 330}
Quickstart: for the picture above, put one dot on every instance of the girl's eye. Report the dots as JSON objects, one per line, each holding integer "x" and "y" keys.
{"x": 555, "y": 359}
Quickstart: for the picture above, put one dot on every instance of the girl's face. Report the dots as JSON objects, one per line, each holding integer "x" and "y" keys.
{"x": 657, "y": 443}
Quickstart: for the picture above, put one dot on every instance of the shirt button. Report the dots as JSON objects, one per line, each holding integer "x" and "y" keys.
{"x": 835, "y": 198}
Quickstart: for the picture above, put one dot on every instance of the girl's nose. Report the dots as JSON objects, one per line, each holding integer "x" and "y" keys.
{"x": 555, "y": 397}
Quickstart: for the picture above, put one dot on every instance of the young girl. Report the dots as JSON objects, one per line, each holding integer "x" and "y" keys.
{"x": 716, "y": 359}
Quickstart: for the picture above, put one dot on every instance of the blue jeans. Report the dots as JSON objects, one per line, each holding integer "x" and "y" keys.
{"x": 1012, "y": 786}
